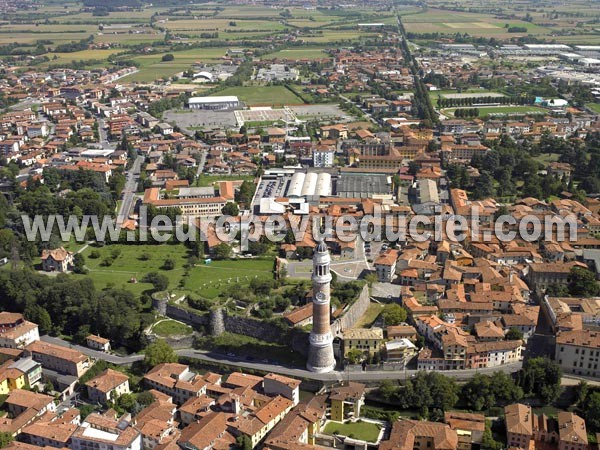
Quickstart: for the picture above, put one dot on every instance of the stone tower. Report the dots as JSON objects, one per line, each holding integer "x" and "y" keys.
{"x": 320, "y": 353}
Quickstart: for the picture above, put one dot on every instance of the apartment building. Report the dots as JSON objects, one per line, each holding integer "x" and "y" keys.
{"x": 416, "y": 434}
{"x": 289, "y": 388}
{"x": 385, "y": 265}
{"x": 16, "y": 332}
{"x": 102, "y": 432}
{"x": 578, "y": 352}
{"x": 367, "y": 340}
{"x": 257, "y": 425}
{"x": 524, "y": 429}
{"x": 346, "y": 401}
{"x": 107, "y": 386}
{"x": 60, "y": 359}
{"x": 176, "y": 380}
{"x": 52, "y": 430}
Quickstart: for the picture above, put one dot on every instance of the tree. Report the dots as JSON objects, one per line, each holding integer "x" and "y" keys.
{"x": 168, "y": 57}
{"x": 158, "y": 280}
{"x": 355, "y": 356}
{"x": 79, "y": 263}
{"x": 145, "y": 398}
{"x": 38, "y": 314}
{"x": 487, "y": 441}
{"x": 582, "y": 283}
{"x": 514, "y": 334}
{"x": 5, "y": 439}
{"x": 127, "y": 402}
{"x": 243, "y": 442}
{"x": 591, "y": 411}
{"x": 169, "y": 264}
{"x": 540, "y": 377}
{"x": 371, "y": 278}
{"x": 230, "y": 209}
{"x": 394, "y": 314}
{"x": 222, "y": 251}
{"x": 159, "y": 352}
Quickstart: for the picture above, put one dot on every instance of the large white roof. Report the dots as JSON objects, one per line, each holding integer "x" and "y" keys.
{"x": 216, "y": 99}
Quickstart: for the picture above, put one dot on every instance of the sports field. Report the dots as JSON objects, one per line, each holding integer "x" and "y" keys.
{"x": 500, "y": 110}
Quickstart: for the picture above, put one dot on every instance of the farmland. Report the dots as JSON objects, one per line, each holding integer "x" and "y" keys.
{"x": 448, "y": 22}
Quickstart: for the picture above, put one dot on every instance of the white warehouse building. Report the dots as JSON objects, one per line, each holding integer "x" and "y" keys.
{"x": 218, "y": 103}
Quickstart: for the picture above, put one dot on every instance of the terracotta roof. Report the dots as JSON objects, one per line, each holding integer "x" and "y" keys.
{"x": 107, "y": 380}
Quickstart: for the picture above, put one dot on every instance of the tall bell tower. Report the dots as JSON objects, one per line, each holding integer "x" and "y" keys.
{"x": 320, "y": 355}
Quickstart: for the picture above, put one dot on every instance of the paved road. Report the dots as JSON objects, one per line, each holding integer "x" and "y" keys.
{"x": 364, "y": 111}
{"x": 129, "y": 189}
{"x": 201, "y": 163}
{"x": 290, "y": 371}
{"x": 114, "y": 359}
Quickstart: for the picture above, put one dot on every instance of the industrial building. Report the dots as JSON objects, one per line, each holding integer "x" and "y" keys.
{"x": 218, "y": 103}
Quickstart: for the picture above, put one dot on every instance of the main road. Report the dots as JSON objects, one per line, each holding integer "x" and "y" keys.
{"x": 235, "y": 361}
{"x": 133, "y": 175}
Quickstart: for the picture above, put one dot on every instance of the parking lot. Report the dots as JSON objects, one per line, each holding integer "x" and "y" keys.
{"x": 190, "y": 121}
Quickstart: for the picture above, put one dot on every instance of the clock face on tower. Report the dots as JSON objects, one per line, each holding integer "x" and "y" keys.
{"x": 320, "y": 296}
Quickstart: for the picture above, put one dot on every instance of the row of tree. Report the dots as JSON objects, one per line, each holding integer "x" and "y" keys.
{"x": 432, "y": 393}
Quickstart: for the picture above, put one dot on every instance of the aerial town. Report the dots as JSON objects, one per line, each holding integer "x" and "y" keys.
{"x": 299, "y": 225}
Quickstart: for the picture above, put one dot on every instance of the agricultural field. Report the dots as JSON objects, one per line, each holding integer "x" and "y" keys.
{"x": 449, "y": 22}
{"x": 151, "y": 67}
{"x": 66, "y": 58}
{"x": 310, "y": 53}
{"x": 263, "y": 95}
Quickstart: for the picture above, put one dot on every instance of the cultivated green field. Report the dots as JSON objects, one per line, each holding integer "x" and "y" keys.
{"x": 263, "y": 95}
{"x": 310, "y": 53}
{"x": 450, "y": 22}
{"x": 151, "y": 67}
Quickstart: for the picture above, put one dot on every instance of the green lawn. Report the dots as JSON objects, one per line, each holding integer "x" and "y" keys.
{"x": 128, "y": 265}
{"x": 369, "y": 316}
{"x": 547, "y": 158}
{"x": 205, "y": 180}
{"x": 365, "y": 431}
{"x": 594, "y": 107}
{"x": 263, "y": 95}
{"x": 209, "y": 280}
{"x": 205, "y": 280}
{"x": 170, "y": 327}
{"x": 251, "y": 348}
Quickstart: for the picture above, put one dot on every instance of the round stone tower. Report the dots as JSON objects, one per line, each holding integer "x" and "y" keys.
{"x": 320, "y": 354}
